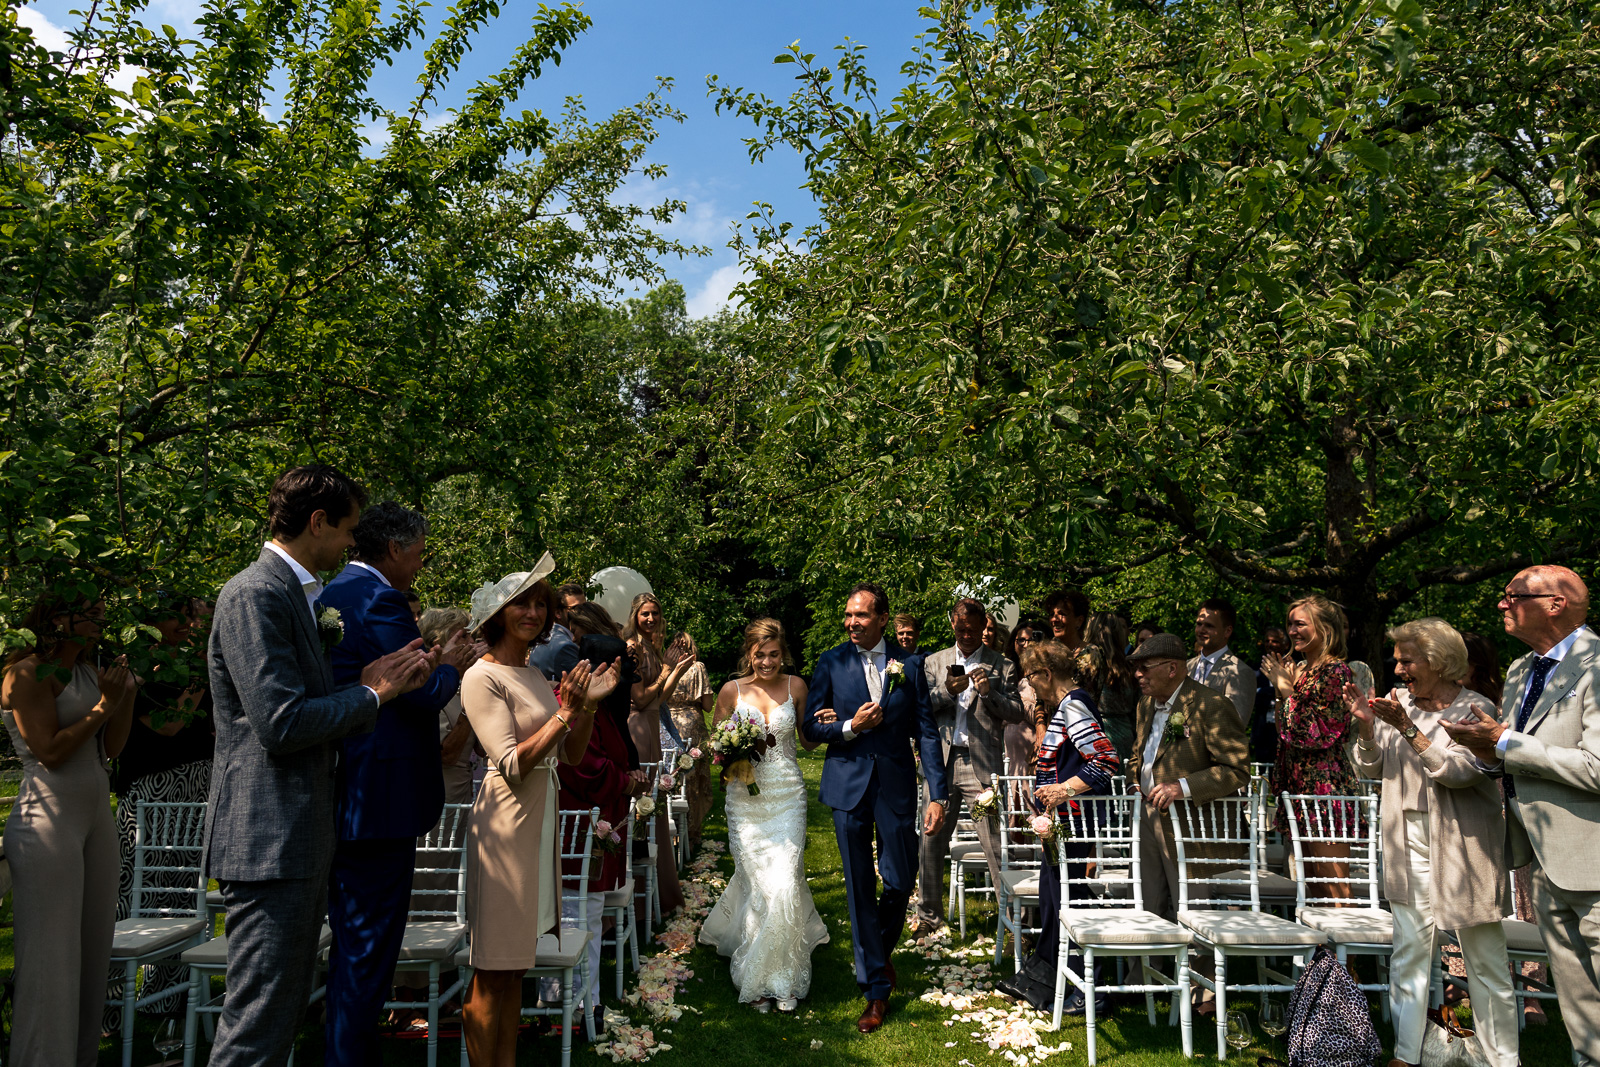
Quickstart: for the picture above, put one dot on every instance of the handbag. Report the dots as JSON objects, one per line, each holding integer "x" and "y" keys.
{"x": 1446, "y": 1043}
{"x": 1330, "y": 1024}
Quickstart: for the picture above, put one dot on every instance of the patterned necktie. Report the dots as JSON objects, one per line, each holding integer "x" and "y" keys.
{"x": 874, "y": 676}
{"x": 1202, "y": 670}
{"x": 1541, "y": 671}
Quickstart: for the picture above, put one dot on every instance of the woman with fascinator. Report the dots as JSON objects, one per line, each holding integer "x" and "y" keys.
{"x": 513, "y": 859}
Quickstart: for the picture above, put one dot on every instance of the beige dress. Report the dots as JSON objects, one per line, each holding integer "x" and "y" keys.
{"x": 62, "y": 846}
{"x": 687, "y": 704}
{"x": 513, "y": 856}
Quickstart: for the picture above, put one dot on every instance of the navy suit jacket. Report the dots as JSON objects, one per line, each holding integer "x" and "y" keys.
{"x": 839, "y": 683}
{"x": 390, "y": 783}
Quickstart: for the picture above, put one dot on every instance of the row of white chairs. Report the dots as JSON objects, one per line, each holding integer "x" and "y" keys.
{"x": 178, "y": 924}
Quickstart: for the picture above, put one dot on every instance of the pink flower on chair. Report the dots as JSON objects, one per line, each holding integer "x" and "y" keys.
{"x": 1043, "y": 825}
{"x": 666, "y": 781}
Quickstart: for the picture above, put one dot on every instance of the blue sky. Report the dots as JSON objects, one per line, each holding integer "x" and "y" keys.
{"x": 616, "y": 63}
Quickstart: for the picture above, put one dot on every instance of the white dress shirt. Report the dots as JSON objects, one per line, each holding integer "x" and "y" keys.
{"x": 374, "y": 570}
{"x": 1205, "y": 664}
{"x": 873, "y": 661}
{"x": 308, "y": 581}
{"x": 965, "y": 699}
{"x": 1152, "y": 745}
{"x": 1558, "y": 653}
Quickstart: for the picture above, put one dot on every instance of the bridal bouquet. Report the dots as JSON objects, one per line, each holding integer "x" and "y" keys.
{"x": 736, "y": 744}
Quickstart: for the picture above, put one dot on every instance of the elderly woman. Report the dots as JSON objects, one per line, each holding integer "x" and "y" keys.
{"x": 1075, "y": 759}
{"x": 1314, "y": 725}
{"x": 1442, "y": 826}
{"x": 513, "y": 864}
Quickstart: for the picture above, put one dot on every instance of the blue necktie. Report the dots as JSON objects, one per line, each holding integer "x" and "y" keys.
{"x": 1541, "y": 671}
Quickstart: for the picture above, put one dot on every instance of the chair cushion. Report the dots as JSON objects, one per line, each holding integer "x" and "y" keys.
{"x": 431, "y": 941}
{"x": 1522, "y": 936}
{"x": 1351, "y": 926}
{"x": 1249, "y": 928}
{"x": 549, "y": 955}
{"x": 140, "y": 937}
{"x": 1020, "y": 882}
{"x": 213, "y": 954}
{"x": 620, "y": 897}
{"x": 962, "y": 850}
{"x": 1095, "y": 927}
{"x": 1272, "y": 886}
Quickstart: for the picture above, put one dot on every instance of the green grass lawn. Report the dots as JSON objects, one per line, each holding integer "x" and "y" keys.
{"x": 720, "y": 1031}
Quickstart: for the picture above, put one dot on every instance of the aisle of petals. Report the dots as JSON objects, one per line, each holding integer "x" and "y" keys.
{"x": 654, "y": 995}
{"x": 962, "y": 984}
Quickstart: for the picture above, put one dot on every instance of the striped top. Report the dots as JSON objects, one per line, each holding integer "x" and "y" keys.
{"x": 1075, "y": 745}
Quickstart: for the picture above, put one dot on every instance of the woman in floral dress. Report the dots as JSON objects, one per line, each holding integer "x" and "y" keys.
{"x": 1314, "y": 724}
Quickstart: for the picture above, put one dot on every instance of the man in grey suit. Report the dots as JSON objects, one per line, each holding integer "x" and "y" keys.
{"x": 1214, "y": 664}
{"x": 973, "y": 694}
{"x": 269, "y": 819}
{"x": 1547, "y": 743}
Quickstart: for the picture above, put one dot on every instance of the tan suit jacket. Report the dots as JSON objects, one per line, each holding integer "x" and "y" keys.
{"x": 1234, "y": 679}
{"x": 1215, "y": 757}
{"x": 986, "y": 719}
{"x": 1555, "y": 766}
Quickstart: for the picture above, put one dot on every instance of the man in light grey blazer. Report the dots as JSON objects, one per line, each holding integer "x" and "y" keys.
{"x": 1214, "y": 664}
{"x": 973, "y": 693}
{"x": 1547, "y": 743}
{"x": 269, "y": 819}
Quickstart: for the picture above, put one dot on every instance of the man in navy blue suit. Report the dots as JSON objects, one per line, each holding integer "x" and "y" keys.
{"x": 390, "y": 782}
{"x": 878, "y": 700}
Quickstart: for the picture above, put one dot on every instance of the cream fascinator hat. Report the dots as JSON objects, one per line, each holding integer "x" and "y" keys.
{"x": 490, "y": 597}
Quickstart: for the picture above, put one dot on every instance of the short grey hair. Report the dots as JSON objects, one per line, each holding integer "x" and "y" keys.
{"x": 1437, "y": 642}
{"x": 387, "y": 522}
{"x": 437, "y": 625}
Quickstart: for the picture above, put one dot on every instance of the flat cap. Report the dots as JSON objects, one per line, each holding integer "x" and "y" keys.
{"x": 1160, "y": 646}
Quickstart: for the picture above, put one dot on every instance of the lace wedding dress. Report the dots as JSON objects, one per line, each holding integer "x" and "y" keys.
{"x": 765, "y": 920}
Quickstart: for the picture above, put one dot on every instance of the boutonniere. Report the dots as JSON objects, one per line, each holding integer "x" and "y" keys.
{"x": 330, "y": 627}
{"x": 894, "y": 672}
{"x": 1177, "y": 726}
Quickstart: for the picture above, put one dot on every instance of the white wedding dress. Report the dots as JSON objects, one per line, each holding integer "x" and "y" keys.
{"x": 765, "y": 920}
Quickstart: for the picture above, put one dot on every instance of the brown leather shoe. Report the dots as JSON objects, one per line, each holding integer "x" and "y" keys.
{"x": 873, "y": 1017}
{"x": 894, "y": 979}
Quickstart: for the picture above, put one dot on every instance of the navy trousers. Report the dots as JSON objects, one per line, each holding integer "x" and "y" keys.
{"x": 369, "y": 893}
{"x": 876, "y": 921}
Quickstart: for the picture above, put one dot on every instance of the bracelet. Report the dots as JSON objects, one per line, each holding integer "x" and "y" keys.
{"x": 562, "y": 720}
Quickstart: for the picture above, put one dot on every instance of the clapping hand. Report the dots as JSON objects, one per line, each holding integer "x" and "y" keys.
{"x": 1477, "y": 735}
{"x": 575, "y": 687}
{"x": 461, "y": 651}
{"x": 399, "y": 672}
{"x": 1281, "y": 670}
{"x": 117, "y": 683}
{"x": 603, "y": 682}
{"x": 682, "y": 649}
{"x": 1389, "y": 710}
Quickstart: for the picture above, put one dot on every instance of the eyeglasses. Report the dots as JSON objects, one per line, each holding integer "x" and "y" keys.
{"x": 1031, "y": 674}
{"x": 1512, "y": 598}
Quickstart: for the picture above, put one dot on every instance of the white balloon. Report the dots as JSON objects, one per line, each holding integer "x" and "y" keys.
{"x": 1005, "y": 609}
{"x": 618, "y": 587}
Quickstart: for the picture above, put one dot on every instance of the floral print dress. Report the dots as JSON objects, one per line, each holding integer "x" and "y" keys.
{"x": 1314, "y": 726}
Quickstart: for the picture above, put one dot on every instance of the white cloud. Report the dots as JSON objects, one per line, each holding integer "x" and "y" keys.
{"x": 713, "y": 296}
{"x": 44, "y": 31}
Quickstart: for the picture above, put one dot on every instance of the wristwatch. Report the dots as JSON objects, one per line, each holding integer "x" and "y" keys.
{"x": 1410, "y": 731}
{"x": 1071, "y": 790}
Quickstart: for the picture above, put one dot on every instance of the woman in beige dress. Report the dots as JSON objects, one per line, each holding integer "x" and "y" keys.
{"x": 688, "y": 703}
{"x": 660, "y": 670}
{"x": 513, "y": 855}
{"x": 64, "y": 722}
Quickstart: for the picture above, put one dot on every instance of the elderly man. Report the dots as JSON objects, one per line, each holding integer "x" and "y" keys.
{"x": 1204, "y": 758}
{"x": 973, "y": 694}
{"x": 1547, "y": 742}
{"x": 1214, "y": 664}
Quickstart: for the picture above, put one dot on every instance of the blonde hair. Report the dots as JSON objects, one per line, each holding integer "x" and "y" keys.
{"x": 1080, "y": 666}
{"x": 630, "y": 629}
{"x": 1328, "y": 619}
{"x": 757, "y": 634}
{"x": 1438, "y": 642}
{"x": 437, "y": 625}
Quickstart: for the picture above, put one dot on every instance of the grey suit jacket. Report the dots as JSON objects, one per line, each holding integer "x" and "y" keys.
{"x": 986, "y": 719}
{"x": 1555, "y": 765}
{"x": 1234, "y": 679}
{"x": 277, "y": 715}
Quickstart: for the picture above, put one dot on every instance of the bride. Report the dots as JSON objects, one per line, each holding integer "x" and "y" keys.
{"x": 765, "y": 919}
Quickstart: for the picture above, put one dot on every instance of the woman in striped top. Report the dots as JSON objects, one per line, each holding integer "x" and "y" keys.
{"x": 1076, "y": 758}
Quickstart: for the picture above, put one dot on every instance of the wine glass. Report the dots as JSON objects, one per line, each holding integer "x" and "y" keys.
{"x": 1273, "y": 1022}
{"x": 1239, "y": 1033}
{"x": 169, "y": 1039}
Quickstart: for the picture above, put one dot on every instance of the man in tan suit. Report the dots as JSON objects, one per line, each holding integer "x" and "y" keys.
{"x": 1214, "y": 664}
{"x": 1207, "y": 757}
{"x": 973, "y": 693}
{"x": 1547, "y": 742}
